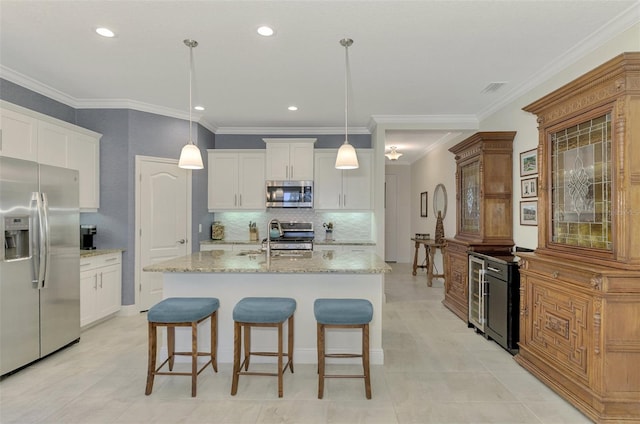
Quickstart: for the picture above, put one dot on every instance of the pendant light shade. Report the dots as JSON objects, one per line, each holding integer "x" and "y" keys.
{"x": 347, "y": 157}
{"x": 190, "y": 156}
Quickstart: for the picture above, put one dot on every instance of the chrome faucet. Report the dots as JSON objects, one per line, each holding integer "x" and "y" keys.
{"x": 273, "y": 221}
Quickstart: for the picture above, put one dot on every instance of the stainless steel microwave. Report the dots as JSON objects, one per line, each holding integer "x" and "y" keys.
{"x": 289, "y": 194}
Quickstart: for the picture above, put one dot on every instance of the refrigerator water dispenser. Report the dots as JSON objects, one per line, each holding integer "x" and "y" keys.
{"x": 16, "y": 237}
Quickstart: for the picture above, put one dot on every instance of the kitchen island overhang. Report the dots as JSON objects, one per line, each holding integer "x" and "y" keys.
{"x": 230, "y": 276}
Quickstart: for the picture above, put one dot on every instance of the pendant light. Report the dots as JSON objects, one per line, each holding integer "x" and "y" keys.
{"x": 393, "y": 154}
{"x": 190, "y": 157}
{"x": 347, "y": 158}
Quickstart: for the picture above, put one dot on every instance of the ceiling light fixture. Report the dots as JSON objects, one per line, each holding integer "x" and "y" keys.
{"x": 393, "y": 154}
{"x": 105, "y": 32}
{"x": 347, "y": 158}
{"x": 200, "y": 108}
{"x": 265, "y": 31}
{"x": 190, "y": 157}
{"x": 293, "y": 108}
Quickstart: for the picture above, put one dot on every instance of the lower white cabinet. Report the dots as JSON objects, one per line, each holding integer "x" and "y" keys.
{"x": 100, "y": 287}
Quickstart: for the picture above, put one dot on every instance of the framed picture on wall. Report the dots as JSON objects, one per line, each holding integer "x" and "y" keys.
{"x": 529, "y": 187}
{"x": 423, "y": 203}
{"x": 529, "y": 212}
{"x": 529, "y": 162}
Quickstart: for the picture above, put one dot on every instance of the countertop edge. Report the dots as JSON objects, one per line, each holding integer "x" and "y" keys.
{"x": 98, "y": 252}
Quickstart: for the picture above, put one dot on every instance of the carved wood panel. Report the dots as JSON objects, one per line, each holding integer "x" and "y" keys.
{"x": 561, "y": 327}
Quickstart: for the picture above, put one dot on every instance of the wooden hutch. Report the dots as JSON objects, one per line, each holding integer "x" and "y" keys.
{"x": 484, "y": 210}
{"x": 580, "y": 290}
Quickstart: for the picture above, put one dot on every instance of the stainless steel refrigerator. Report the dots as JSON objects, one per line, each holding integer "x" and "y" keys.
{"x": 39, "y": 262}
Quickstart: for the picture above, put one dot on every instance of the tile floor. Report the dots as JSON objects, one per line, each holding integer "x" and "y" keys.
{"x": 436, "y": 371}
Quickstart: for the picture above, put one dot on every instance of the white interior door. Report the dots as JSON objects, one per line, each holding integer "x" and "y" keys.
{"x": 391, "y": 218}
{"x": 163, "y": 213}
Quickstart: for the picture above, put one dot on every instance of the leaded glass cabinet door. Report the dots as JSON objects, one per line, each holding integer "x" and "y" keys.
{"x": 470, "y": 198}
{"x": 581, "y": 184}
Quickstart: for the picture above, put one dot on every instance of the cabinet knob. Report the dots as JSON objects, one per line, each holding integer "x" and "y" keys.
{"x": 555, "y": 274}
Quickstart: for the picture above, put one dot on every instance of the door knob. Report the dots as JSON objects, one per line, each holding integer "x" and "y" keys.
{"x": 182, "y": 241}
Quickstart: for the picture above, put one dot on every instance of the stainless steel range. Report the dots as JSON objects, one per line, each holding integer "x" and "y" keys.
{"x": 293, "y": 236}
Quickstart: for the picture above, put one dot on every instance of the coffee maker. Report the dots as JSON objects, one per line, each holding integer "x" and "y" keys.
{"x": 86, "y": 237}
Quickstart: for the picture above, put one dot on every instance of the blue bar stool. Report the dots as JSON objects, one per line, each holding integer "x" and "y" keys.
{"x": 343, "y": 313}
{"x": 261, "y": 312}
{"x": 182, "y": 312}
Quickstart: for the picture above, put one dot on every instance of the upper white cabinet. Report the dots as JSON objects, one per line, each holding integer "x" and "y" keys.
{"x": 338, "y": 189}
{"x": 83, "y": 154}
{"x": 236, "y": 179}
{"x": 289, "y": 158}
{"x": 19, "y": 137}
{"x": 33, "y": 136}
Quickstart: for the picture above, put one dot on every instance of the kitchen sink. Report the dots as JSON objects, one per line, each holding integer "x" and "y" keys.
{"x": 250, "y": 252}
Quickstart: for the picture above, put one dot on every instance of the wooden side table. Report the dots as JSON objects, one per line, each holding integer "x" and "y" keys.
{"x": 430, "y": 247}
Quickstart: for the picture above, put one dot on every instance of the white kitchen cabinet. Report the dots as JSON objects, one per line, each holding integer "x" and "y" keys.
{"x": 33, "y": 136}
{"x": 19, "y": 137}
{"x": 100, "y": 287}
{"x": 342, "y": 189}
{"x": 289, "y": 158}
{"x": 52, "y": 144}
{"x": 236, "y": 180}
{"x": 83, "y": 154}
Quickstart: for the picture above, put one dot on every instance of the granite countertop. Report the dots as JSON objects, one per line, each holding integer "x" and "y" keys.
{"x": 343, "y": 242}
{"x": 231, "y": 242}
{"x": 216, "y": 261}
{"x": 98, "y": 252}
{"x": 315, "y": 241}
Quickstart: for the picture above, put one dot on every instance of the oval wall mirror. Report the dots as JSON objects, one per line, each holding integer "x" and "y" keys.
{"x": 440, "y": 200}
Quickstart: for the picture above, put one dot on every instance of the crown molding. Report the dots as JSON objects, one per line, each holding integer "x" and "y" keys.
{"x": 426, "y": 121}
{"x": 615, "y": 26}
{"x": 290, "y": 130}
{"x": 35, "y": 85}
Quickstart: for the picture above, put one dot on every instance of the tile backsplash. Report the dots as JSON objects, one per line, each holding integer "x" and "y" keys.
{"x": 352, "y": 226}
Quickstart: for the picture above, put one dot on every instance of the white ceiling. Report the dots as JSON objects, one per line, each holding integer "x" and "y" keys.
{"x": 421, "y": 65}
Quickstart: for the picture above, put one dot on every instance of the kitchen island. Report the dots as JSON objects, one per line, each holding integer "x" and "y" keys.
{"x": 230, "y": 276}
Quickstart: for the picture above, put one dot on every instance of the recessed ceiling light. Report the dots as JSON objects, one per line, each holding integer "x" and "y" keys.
{"x": 105, "y": 32}
{"x": 293, "y": 108}
{"x": 265, "y": 31}
{"x": 198, "y": 107}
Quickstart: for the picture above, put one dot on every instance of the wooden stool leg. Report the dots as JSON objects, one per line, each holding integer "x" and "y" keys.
{"x": 214, "y": 341}
{"x": 320, "y": 331}
{"x": 237, "y": 335}
{"x": 151, "y": 367}
{"x": 280, "y": 370}
{"x": 194, "y": 357}
{"x": 171, "y": 344}
{"x": 415, "y": 258}
{"x": 247, "y": 346}
{"x": 365, "y": 360}
{"x": 290, "y": 344}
